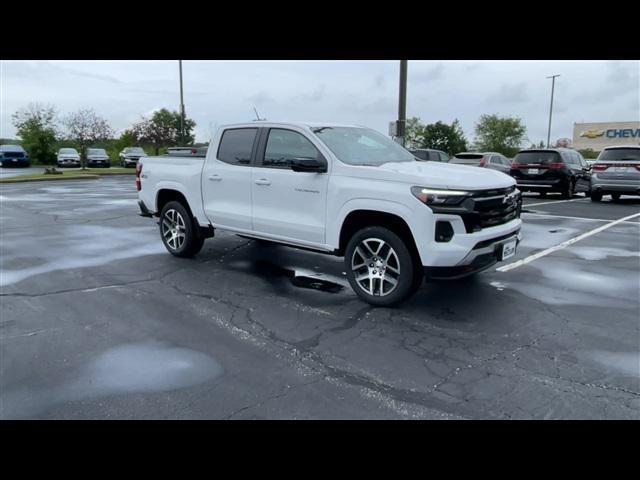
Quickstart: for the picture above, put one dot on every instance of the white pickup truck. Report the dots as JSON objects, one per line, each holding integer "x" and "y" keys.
{"x": 338, "y": 189}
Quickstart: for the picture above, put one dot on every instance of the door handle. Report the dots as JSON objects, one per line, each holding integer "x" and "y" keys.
{"x": 263, "y": 181}
{"x": 215, "y": 177}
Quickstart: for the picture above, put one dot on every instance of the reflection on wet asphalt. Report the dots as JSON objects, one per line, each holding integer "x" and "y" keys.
{"x": 98, "y": 321}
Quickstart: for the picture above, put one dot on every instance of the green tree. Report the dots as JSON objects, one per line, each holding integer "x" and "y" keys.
{"x": 413, "y": 132}
{"x": 500, "y": 134}
{"x": 440, "y": 136}
{"x": 36, "y": 126}
{"x": 86, "y": 128}
{"x": 163, "y": 130}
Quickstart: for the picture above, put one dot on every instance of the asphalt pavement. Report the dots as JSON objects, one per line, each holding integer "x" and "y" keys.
{"x": 99, "y": 321}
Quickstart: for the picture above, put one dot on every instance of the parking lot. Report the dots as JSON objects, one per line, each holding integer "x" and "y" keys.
{"x": 99, "y": 321}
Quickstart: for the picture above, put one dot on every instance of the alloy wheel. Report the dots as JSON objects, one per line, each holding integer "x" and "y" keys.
{"x": 376, "y": 267}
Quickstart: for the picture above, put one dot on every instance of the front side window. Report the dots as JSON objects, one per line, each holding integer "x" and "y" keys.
{"x": 285, "y": 145}
{"x": 236, "y": 146}
{"x": 362, "y": 146}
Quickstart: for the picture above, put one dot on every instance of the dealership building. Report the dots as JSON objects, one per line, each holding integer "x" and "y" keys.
{"x": 597, "y": 136}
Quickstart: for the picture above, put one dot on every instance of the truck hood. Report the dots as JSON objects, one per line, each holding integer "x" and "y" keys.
{"x": 437, "y": 175}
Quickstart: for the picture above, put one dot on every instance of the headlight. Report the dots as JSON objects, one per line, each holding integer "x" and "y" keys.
{"x": 432, "y": 196}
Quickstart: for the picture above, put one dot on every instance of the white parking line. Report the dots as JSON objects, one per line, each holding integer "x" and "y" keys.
{"x": 562, "y": 245}
{"x": 525, "y": 205}
{"x": 531, "y": 214}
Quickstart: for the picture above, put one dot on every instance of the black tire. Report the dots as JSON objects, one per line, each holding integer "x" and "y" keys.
{"x": 175, "y": 220}
{"x": 615, "y": 197}
{"x": 380, "y": 271}
{"x": 568, "y": 192}
{"x": 543, "y": 194}
{"x": 596, "y": 196}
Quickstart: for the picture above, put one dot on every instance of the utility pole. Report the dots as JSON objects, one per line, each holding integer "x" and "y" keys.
{"x": 181, "y": 107}
{"x": 553, "y": 83}
{"x": 402, "y": 103}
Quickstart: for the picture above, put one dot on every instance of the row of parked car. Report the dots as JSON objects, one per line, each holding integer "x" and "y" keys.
{"x": 98, "y": 157}
{"x": 16, "y": 156}
{"x": 616, "y": 171}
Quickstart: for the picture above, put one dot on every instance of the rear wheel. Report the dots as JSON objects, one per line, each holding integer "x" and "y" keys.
{"x": 180, "y": 235}
{"x": 596, "y": 196}
{"x": 380, "y": 268}
{"x": 569, "y": 190}
{"x": 615, "y": 197}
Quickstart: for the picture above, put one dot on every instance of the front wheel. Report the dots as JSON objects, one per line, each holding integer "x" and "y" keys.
{"x": 380, "y": 267}
{"x": 180, "y": 235}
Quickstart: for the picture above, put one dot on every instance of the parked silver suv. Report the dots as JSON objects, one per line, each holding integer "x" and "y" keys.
{"x": 616, "y": 172}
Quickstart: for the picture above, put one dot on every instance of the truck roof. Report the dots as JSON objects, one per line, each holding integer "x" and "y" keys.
{"x": 298, "y": 124}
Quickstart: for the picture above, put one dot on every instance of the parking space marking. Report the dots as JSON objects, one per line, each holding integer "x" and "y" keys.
{"x": 565, "y": 244}
{"x": 552, "y": 202}
{"x": 574, "y": 218}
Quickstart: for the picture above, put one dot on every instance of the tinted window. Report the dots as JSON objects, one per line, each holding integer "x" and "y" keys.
{"x": 284, "y": 145}
{"x": 623, "y": 154}
{"x": 541, "y": 157}
{"x": 421, "y": 154}
{"x": 443, "y": 157}
{"x": 236, "y": 146}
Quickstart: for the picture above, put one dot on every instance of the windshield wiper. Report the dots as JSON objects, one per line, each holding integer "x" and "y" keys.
{"x": 320, "y": 129}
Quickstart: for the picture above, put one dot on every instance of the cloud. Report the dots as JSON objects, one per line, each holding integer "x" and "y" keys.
{"x": 510, "y": 93}
{"x": 430, "y": 74}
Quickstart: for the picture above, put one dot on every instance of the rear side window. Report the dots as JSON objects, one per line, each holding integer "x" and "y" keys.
{"x": 538, "y": 158}
{"x": 421, "y": 154}
{"x": 236, "y": 146}
{"x": 285, "y": 145}
{"x": 620, "y": 154}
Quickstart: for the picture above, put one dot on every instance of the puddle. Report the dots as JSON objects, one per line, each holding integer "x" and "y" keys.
{"x": 600, "y": 253}
{"x": 627, "y": 363}
{"x": 566, "y": 283}
{"x": 540, "y": 236}
{"x": 132, "y": 368}
{"x": 299, "y": 278}
{"x": 499, "y": 285}
{"x": 75, "y": 246}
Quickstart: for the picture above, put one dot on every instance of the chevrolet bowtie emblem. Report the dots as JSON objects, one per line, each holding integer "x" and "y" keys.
{"x": 592, "y": 133}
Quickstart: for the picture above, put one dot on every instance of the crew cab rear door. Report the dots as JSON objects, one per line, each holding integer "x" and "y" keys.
{"x": 226, "y": 179}
{"x": 288, "y": 204}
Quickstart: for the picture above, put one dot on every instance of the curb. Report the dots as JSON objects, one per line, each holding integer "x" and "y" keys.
{"x": 54, "y": 177}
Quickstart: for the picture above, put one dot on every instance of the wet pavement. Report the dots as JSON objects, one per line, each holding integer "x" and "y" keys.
{"x": 98, "y": 321}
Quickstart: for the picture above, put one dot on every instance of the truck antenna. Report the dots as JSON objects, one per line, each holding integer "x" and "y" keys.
{"x": 257, "y": 116}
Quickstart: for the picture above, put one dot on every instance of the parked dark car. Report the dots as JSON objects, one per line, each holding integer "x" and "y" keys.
{"x": 492, "y": 160}
{"x": 428, "y": 154}
{"x": 13, "y": 156}
{"x": 551, "y": 170}
{"x": 98, "y": 157}
{"x": 129, "y": 156}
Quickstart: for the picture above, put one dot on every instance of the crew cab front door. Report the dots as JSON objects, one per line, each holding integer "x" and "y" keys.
{"x": 226, "y": 180}
{"x": 288, "y": 204}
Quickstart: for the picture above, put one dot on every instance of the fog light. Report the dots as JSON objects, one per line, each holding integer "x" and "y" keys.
{"x": 444, "y": 231}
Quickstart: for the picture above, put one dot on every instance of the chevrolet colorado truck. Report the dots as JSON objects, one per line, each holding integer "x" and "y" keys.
{"x": 337, "y": 189}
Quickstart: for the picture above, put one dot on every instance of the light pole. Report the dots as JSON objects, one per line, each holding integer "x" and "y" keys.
{"x": 553, "y": 83}
{"x": 181, "y": 106}
{"x": 402, "y": 102}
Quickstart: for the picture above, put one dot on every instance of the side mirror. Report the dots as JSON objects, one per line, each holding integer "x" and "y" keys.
{"x": 308, "y": 165}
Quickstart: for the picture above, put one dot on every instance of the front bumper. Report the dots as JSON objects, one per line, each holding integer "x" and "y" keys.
{"x": 484, "y": 254}
{"x": 14, "y": 162}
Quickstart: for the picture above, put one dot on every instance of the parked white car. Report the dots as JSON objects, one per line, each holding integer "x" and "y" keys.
{"x": 338, "y": 189}
{"x": 68, "y": 157}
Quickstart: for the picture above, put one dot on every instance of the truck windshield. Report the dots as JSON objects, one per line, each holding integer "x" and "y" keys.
{"x": 362, "y": 146}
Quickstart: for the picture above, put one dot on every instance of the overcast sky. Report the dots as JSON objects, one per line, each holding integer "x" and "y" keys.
{"x": 359, "y": 92}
